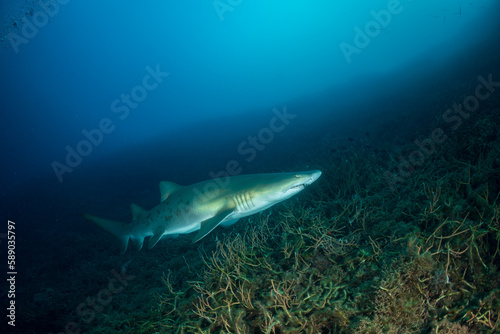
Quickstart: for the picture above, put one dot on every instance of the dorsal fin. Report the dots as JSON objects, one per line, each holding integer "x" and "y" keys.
{"x": 166, "y": 188}
{"x": 137, "y": 211}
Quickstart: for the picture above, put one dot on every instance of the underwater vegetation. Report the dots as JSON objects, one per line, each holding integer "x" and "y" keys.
{"x": 349, "y": 255}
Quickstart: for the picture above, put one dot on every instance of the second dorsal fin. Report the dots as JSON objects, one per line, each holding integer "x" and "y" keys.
{"x": 137, "y": 211}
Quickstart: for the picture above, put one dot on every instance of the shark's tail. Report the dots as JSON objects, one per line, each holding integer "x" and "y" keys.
{"x": 120, "y": 230}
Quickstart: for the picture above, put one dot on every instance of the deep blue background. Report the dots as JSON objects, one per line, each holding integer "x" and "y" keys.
{"x": 227, "y": 71}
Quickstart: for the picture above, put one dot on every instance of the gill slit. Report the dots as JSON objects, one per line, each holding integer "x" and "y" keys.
{"x": 243, "y": 201}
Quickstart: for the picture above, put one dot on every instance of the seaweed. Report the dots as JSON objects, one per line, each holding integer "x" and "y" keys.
{"x": 352, "y": 254}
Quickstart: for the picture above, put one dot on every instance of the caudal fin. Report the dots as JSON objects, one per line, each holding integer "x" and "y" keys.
{"x": 118, "y": 229}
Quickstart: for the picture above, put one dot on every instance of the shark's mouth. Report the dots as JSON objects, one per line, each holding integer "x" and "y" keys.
{"x": 298, "y": 186}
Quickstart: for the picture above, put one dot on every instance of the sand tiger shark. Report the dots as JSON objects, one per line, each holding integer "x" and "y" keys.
{"x": 203, "y": 206}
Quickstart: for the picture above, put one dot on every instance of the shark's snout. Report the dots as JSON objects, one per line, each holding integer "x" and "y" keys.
{"x": 315, "y": 175}
{"x": 304, "y": 179}
{"x": 312, "y": 176}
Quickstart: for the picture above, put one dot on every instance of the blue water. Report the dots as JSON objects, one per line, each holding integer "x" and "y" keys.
{"x": 219, "y": 69}
{"x": 100, "y": 101}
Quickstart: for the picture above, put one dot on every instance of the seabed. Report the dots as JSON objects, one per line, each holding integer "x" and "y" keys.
{"x": 377, "y": 245}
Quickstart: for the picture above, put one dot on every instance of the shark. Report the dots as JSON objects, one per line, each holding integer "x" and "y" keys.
{"x": 205, "y": 205}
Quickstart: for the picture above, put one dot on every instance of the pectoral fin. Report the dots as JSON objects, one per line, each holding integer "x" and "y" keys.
{"x": 228, "y": 223}
{"x": 208, "y": 225}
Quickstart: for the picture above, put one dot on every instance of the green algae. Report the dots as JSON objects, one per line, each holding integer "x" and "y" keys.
{"x": 367, "y": 259}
